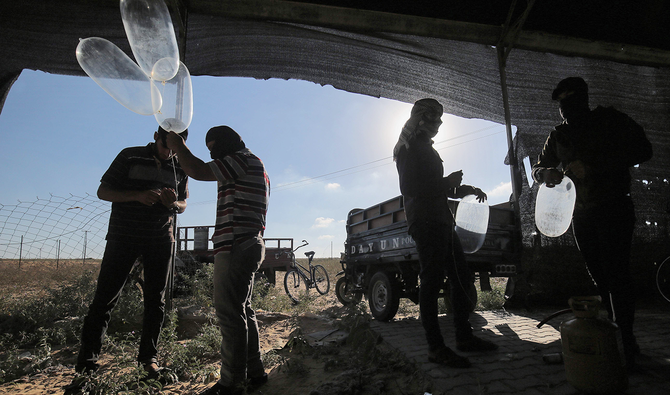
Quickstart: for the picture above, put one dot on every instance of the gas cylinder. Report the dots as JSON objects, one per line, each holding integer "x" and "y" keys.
{"x": 592, "y": 349}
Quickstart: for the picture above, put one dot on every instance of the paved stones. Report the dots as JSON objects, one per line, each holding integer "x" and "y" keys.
{"x": 517, "y": 367}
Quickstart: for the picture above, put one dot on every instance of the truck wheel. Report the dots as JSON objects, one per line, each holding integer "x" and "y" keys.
{"x": 344, "y": 294}
{"x": 383, "y": 296}
{"x": 293, "y": 284}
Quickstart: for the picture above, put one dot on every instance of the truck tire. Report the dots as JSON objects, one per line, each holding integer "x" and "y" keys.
{"x": 293, "y": 284}
{"x": 344, "y": 295}
{"x": 383, "y": 296}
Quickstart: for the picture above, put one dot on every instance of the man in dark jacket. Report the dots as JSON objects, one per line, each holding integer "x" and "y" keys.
{"x": 596, "y": 148}
{"x": 431, "y": 224}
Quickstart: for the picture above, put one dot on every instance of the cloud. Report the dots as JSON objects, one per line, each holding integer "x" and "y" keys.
{"x": 326, "y": 237}
{"x": 322, "y": 222}
{"x": 333, "y": 186}
{"x": 503, "y": 189}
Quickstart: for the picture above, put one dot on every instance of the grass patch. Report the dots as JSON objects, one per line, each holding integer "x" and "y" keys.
{"x": 42, "y": 308}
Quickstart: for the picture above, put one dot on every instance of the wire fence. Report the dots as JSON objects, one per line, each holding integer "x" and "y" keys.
{"x": 71, "y": 227}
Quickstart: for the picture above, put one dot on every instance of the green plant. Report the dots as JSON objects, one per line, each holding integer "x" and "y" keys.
{"x": 494, "y": 299}
{"x": 195, "y": 288}
{"x": 187, "y": 359}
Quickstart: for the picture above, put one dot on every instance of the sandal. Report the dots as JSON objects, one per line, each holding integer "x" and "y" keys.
{"x": 445, "y": 356}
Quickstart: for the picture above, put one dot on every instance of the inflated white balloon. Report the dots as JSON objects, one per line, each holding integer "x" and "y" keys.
{"x": 165, "y": 69}
{"x": 177, "y": 95}
{"x": 151, "y": 36}
{"x": 554, "y": 207}
{"x": 472, "y": 222}
{"x": 118, "y": 75}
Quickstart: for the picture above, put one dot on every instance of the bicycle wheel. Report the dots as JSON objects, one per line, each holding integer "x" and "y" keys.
{"x": 663, "y": 279}
{"x": 321, "y": 281}
{"x": 296, "y": 288}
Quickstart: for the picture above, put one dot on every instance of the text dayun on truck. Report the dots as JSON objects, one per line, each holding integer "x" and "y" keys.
{"x": 381, "y": 261}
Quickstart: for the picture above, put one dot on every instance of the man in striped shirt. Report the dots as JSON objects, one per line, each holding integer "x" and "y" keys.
{"x": 243, "y": 190}
{"x": 146, "y": 186}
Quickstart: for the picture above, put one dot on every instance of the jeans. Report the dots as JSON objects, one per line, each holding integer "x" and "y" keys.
{"x": 233, "y": 287}
{"x": 439, "y": 250}
{"x": 117, "y": 263}
{"x": 604, "y": 235}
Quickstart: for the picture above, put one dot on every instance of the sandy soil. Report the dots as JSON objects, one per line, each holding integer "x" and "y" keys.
{"x": 318, "y": 364}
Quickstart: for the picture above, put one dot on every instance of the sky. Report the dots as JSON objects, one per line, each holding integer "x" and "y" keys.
{"x": 326, "y": 151}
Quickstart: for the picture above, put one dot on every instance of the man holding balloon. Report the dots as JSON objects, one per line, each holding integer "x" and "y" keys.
{"x": 596, "y": 148}
{"x": 431, "y": 225}
{"x": 243, "y": 191}
{"x": 147, "y": 187}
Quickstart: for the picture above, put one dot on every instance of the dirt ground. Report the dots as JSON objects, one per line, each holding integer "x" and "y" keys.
{"x": 318, "y": 362}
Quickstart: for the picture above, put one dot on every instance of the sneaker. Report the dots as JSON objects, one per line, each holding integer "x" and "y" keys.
{"x": 476, "y": 344}
{"x": 218, "y": 389}
{"x": 445, "y": 356}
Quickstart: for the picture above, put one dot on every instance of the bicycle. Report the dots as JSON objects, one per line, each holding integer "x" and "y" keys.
{"x": 313, "y": 276}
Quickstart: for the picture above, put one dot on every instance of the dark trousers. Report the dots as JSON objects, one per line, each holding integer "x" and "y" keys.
{"x": 116, "y": 264}
{"x": 604, "y": 235}
{"x": 439, "y": 250}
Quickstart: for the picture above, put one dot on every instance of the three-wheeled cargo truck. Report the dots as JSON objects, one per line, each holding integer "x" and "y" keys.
{"x": 381, "y": 261}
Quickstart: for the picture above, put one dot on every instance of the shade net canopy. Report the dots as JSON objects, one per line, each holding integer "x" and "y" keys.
{"x": 406, "y": 51}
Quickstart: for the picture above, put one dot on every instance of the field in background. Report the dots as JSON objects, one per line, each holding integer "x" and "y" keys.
{"x": 34, "y": 275}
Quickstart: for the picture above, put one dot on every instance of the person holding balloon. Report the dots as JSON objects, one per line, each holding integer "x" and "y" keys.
{"x": 146, "y": 186}
{"x": 595, "y": 149}
{"x": 425, "y": 193}
{"x": 243, "y": 191}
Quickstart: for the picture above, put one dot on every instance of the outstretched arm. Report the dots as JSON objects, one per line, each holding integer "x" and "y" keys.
{"x": 193, "y": 166}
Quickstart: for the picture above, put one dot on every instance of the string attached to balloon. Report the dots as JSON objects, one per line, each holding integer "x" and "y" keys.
{"x": 152, "y": 40}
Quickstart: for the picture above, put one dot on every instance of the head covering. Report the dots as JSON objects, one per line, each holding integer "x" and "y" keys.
{"x": 226, "y": 141}
{"x": 575, "y": 84}
{"x": 413, "y": 127}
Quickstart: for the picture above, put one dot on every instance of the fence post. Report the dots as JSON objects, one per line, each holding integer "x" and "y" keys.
{"x": 83, "y": 261}
{"x": 57, "y": 253}
{"x": 20, "y": 252}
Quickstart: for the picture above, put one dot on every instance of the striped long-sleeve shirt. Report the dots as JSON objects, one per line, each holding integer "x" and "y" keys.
{"x": 242, "y": 199}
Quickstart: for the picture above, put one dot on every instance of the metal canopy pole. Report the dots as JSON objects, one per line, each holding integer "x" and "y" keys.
{"x": 509, "y": 35}
{"x": 503, "y": 48}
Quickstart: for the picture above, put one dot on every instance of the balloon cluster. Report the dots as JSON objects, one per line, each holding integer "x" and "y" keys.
{"x": 159, "y": 83}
